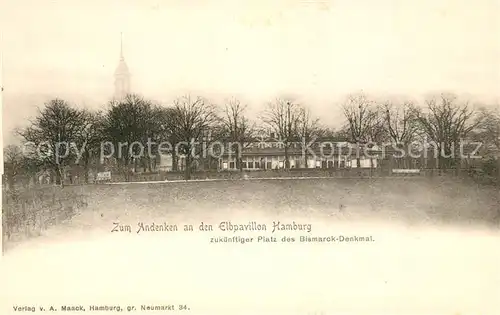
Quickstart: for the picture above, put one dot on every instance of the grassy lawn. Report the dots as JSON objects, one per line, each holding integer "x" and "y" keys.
{"x": 448, "y": 266}
{"x": 409, "y": 201}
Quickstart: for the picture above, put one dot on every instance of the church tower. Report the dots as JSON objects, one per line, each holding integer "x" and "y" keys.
{"x": 122, "y": 76}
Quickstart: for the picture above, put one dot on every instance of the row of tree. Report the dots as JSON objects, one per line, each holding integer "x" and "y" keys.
{"x": 442, "y": 119}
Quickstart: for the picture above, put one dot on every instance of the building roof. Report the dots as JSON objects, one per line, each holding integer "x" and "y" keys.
{"x": 338, "y": 148}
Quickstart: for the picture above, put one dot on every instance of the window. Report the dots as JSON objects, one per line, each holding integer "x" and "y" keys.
{"x": 250, "y": 164}
{"x": 269, "y": 165}
{"x": 244, "y": 164}
{"x": 231, "y": 165}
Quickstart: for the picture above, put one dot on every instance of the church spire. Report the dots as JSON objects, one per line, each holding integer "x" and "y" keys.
{"x": 121, "y": 46}
{"x": 122, "y": 75}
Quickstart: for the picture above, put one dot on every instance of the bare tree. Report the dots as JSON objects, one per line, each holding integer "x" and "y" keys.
{"x": 487, "y": 132}
{"x": 361, "y": 115}
{"x": 308, "y": 126}
{"x": 90, "y": 141}
{"x": 308, "y": 129}
{"x": 13, "y": 162}
{"x": 152, "y": 132}
{"x": 167, "y": 133}
{"x": 191, "y": 123}
{"x": 283, "y": 117}
{"x": 55, "y": 129}
{"x": 378, "y": 132}
{"x": 488, "y": 128}
{"x": 446, "y": 122}
{"x": 363, "y": 119}
{"x": 127, "y": 122}
{"x": 237, "y": 128}
{"x": 400, "y": 121}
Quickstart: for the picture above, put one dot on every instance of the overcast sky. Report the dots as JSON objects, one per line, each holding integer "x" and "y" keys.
{"x": 256, "y": 50}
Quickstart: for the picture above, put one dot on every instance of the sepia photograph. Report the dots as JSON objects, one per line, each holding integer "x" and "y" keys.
{"x": 279, "y": 157}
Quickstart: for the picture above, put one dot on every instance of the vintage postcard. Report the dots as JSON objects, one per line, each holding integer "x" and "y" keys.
{"x": 280, "y": 157}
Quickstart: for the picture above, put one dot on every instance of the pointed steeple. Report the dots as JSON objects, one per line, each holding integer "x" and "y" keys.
{"x": 122, "y": 75}
{"x": 121, "y": 46}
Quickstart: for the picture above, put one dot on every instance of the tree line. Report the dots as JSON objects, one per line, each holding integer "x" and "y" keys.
{"x": 443, "y": 119}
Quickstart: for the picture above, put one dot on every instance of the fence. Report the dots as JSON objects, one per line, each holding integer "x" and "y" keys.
{"x": 384, "y": 169}
{"x": 333, "y": 173}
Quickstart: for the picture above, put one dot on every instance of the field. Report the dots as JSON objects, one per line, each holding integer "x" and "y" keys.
{"x": 434, "y": 239}
{"x": 410, "y": 201}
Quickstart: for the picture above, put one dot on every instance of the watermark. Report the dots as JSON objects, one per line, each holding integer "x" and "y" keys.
{"x": 60, "y": 152}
